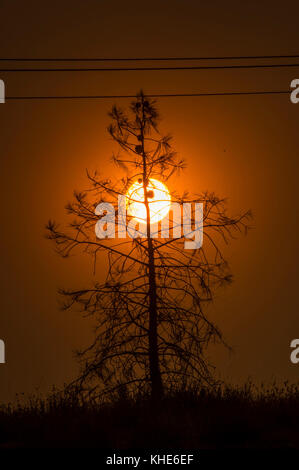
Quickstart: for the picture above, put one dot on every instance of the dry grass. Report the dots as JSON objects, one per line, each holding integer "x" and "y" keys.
{"x": 223, "y": 417}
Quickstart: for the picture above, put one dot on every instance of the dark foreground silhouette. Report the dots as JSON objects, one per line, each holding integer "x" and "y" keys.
{"x": 223, "y": 417}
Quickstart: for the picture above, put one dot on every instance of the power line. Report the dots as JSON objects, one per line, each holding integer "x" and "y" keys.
{"x": 135, "y": 59}
{"x": 163, "y": 95}
{"x": 135, "y": 69}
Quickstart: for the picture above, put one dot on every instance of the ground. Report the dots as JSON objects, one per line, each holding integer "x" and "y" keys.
{"x": 219, "y": 418}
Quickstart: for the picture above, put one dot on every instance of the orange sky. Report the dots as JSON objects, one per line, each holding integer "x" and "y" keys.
{"x": 243, "y": 148}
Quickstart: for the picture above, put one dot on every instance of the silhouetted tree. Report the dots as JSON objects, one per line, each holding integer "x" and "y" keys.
{"x": 151, "y": 330}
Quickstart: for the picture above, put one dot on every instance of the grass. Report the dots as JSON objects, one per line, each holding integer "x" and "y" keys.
{"x": 223, "y": 417}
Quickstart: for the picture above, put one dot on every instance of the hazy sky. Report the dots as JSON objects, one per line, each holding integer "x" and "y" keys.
{"x": 244, "y": 148}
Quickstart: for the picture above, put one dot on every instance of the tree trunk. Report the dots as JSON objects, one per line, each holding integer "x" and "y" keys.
{"x": 155, "y": 374}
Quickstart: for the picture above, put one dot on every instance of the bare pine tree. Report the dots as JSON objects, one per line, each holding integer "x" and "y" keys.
{"x": 151, "y": 329}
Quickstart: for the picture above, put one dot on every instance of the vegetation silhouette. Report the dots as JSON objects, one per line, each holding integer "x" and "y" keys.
{"x": 151, "y": 329}
{"x": 220, "y": 417}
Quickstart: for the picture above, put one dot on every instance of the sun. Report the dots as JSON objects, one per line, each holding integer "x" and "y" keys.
{"x": 158, "y": 196}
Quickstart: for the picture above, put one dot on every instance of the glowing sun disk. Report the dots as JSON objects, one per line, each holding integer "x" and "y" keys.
{"x": 158, "y": 197}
